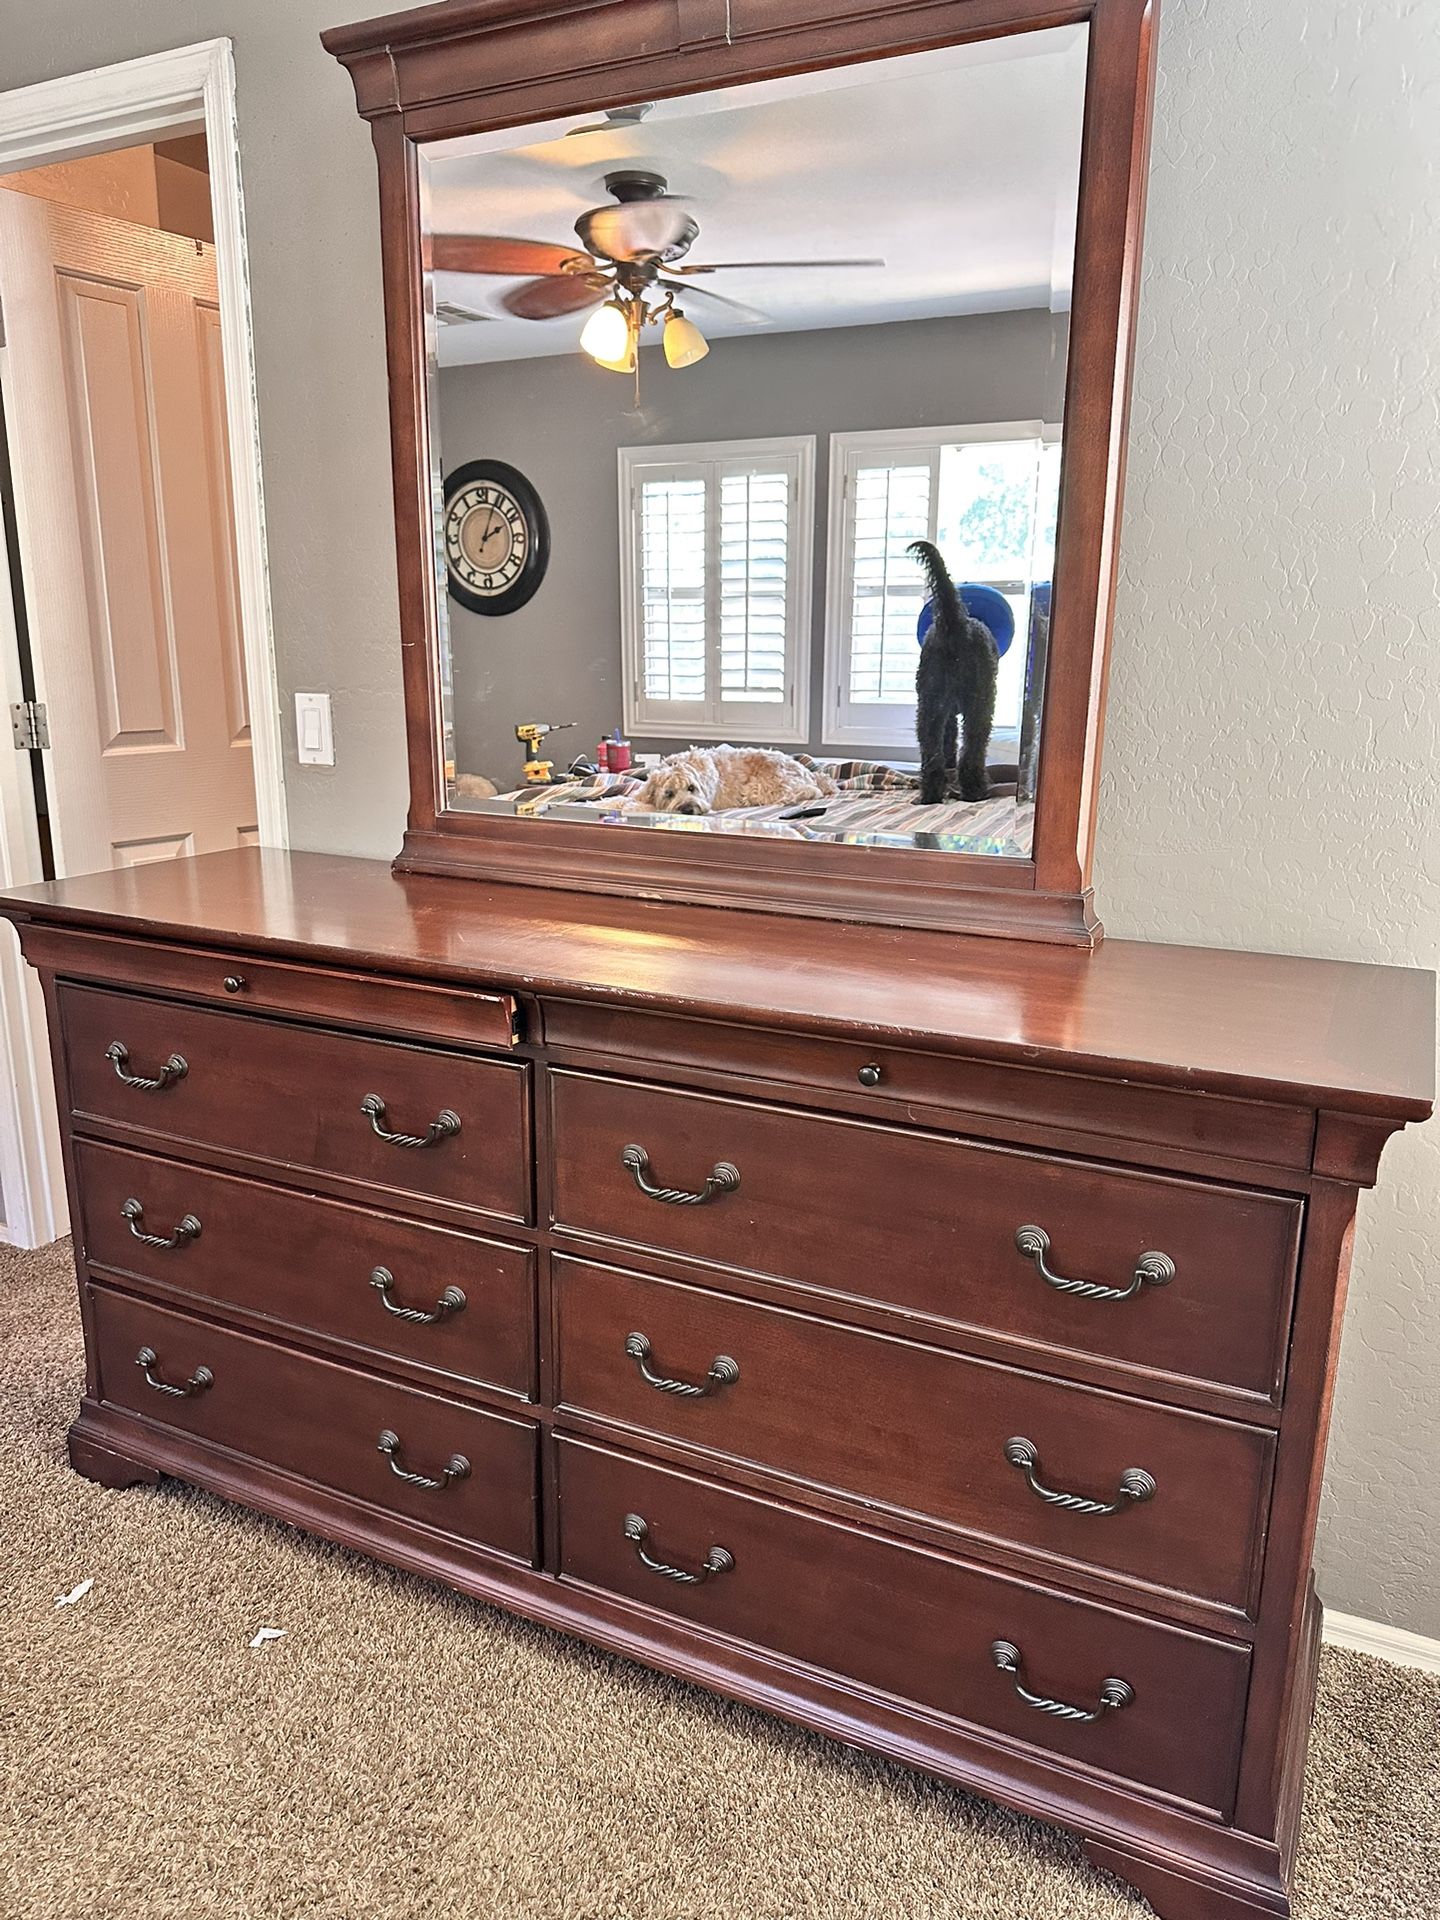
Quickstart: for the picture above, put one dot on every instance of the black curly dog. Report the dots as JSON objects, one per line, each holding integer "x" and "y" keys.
{"x": 954, "y": 691}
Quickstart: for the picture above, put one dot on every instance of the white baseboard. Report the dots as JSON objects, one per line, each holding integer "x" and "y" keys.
{"x": 1385, "y": 1643}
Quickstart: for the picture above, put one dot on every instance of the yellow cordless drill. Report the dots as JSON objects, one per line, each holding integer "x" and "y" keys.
{"x": 538, "y": 772}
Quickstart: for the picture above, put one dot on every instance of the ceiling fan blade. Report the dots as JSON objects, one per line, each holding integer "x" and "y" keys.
{"x": 496, "y": 253}
{"x": 556, "y": 293}
{"x": 733, "y": 266}
{"x": 722, "y": 299}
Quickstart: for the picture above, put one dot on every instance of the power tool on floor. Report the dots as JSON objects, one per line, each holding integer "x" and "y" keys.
{"x": 539, "y": 772}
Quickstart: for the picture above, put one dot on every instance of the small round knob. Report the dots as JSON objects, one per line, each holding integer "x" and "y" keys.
{"x": 233, "y": 983}
{"x": 871, "y": 1076}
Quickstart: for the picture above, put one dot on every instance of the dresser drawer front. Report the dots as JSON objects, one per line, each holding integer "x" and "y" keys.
{"x": 322, "y": 1421}
{"x": 290, "y": 1098}
{"x": 921, "y": 1431}
{"x": 909, "y": 1622}
{"x": 928, "y": 1224}
{"x": 310, "y": 1263}
{"x": 453, "y": 1013}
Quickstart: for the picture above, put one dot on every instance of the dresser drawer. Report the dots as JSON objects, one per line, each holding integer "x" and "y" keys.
{"x": 909, "y": 1622}
{"x": 446, "y": 1012}
{"x": 290, "y": 1099}
{"x": 350, "y": 1275}
{"x": 921, "y": 1431}
{"x": 929, "y": 1225}
{"x": 323, "y": 1422}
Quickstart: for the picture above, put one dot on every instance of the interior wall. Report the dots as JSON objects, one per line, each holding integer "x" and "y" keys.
{"x": 561, "y": 420}
{"x": 1271, "y": 751}
{"x": 1273, "y": 733}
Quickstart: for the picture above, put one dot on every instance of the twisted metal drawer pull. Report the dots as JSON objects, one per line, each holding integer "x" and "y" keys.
{"x": 1114, "y": 1694}
{"x": 722, "y": 1178}
{"x": 1151, "y": 1269}
{"x": 452, "y": 1300}
{"x": 175, "y": 1068}
{"x": 199, "y": 1380}
{"x": 440, "y": 1128}
{"x": 456, "y": 1468}
{"x": 717, "y": 1560}
{"x": 1135, "y": 1484}
{"x": 724, "y": 1371}
{"x": 133, "y": 1214}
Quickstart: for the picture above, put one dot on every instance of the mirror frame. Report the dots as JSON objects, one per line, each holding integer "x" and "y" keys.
{"x": 473, "y": 65}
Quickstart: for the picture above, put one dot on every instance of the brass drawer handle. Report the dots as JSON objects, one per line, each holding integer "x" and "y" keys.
{"x": 456, "y": 1468}
{"x": 199, "y": 1380}
{"x": 175, "y": 1068}
{"x": 717, "y": 1560}
{"x": 133, "y": 1214}
{"x": 452, "y": 1300}
{"x": 1135, "y": 1484}
{"x": 722, "y": 1178}
{"x": 1114, "y": 1694}
{"x": 1151, "y": 1270}
{"x": 724, "y": 1372}
{"x": 440, "y": 1128}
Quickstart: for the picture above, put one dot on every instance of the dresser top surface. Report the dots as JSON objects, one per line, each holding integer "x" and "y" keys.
{"x": 1268, "y": 1025}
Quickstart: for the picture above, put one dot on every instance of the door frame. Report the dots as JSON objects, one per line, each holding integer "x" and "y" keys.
{"x": 131, "y": 104}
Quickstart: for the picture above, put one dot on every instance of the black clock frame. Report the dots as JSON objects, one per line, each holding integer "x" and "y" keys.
{"x": 537, "y": 526}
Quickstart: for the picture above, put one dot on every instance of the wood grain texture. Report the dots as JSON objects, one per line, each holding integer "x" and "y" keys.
{"x": 295, "y": 1263}
{"x": 919, "y": 1431}
{"x": 310, "y": 1417}
{"x": 1354, "y": 1039}
{"x": 910, "y": 1623}
{"x": 929, "y": 1224}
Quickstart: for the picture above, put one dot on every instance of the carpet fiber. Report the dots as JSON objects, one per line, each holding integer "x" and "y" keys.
{"x": 402, "y": 1752}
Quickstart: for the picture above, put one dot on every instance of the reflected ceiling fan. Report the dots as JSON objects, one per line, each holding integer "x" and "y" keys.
{"x": 629, "y": 268}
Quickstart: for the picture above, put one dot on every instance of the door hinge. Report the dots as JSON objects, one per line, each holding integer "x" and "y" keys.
{"x": 30, "y": 725}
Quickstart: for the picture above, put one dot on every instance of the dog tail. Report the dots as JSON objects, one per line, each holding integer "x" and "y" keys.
{"x": 949, "y": 611}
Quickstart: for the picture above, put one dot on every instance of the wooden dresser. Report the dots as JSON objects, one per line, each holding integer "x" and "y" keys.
{"x": 928, "y": 1339}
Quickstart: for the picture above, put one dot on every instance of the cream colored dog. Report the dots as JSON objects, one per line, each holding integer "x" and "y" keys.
{"x": 715, "y": 779}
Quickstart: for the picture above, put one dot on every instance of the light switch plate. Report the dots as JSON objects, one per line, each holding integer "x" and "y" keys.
{"x": 313, "y": 733}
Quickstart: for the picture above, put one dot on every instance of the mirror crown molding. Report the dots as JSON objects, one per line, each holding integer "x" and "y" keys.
{"x": 449, "y": 70}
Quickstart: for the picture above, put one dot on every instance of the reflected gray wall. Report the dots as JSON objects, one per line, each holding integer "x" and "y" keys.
{"x": 560, "y": 420}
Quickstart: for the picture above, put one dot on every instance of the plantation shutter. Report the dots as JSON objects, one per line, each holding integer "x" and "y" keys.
{"x": 892, "y": 505}
{"x": 755, "y": 511}
{"x": 716, "y": 544}
{"x": 673, "y": 588}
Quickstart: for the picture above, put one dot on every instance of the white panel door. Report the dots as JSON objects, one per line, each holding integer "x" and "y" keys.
{"x": 115, "y": 400}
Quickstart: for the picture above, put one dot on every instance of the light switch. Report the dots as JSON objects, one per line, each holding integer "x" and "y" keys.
{"x": 312, "y": 730}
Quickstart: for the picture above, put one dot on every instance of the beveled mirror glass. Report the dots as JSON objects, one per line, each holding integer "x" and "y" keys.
{"x": 700, "y": 371}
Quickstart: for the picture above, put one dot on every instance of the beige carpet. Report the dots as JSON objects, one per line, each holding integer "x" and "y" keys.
{"x": 404, "y": 1753}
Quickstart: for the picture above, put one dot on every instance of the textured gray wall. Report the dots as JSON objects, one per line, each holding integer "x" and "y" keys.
{"x": 1273, "y": 736}
{"x": 560, "y": 420}
{"x": 1271, "y": 752}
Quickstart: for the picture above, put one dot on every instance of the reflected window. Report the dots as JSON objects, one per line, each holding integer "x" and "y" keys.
{"x": 716, "y": 547}
{"x": 986, "y": 495}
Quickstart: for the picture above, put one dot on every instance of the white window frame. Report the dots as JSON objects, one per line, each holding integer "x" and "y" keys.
{"x": 883, "y": 727}
{"x": 787, "y": 721}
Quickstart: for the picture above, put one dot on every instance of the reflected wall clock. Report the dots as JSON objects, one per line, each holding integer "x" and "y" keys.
{"x": 497, "y": 537}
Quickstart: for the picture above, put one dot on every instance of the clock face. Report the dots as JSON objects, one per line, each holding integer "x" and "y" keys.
{"x": 496, "y": 537}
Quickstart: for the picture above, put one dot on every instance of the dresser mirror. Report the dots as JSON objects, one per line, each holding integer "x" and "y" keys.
{"x": 701, "y": 372}
{"x": 758, "y": 392}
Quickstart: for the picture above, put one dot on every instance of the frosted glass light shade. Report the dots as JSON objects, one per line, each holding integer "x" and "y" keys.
{"x": 684, "y": 342}
{"x": 607, "y": 335}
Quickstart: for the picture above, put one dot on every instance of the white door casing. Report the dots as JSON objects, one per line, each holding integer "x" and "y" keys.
{"x": 179, "y": 90}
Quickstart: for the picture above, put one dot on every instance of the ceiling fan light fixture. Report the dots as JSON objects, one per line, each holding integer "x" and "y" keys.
{"x": 684, "y": 343}
{"x": 606, "y": 337}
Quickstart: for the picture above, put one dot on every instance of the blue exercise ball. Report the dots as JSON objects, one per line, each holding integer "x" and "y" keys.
{"x": 986, "y": 604}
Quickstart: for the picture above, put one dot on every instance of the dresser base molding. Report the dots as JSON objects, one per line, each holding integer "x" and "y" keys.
{"x": 1161, "y": 1842}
